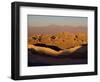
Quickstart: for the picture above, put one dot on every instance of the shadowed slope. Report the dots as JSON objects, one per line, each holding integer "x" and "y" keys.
{"x": 52, "y": 52}
{"x": 37, "y": 56}
{"x": 48, "y": 46}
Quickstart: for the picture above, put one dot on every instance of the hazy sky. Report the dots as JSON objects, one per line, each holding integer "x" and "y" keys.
{"x": 45, "y": 20}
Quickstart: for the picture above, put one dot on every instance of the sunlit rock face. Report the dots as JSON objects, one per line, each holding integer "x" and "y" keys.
{"x": 62, "y": 39}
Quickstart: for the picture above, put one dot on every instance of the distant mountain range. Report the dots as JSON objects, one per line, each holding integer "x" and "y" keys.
{"x": 51, "y": 29}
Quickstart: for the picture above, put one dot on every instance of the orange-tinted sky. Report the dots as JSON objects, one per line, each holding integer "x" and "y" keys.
{"x": 45, "y": 20}
{"x": 49, "y": 24}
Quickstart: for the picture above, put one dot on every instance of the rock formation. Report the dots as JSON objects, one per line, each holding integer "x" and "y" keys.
{"x": 62, "y": 39}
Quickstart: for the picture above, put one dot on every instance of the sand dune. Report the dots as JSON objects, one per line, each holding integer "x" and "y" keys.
{"x": 47, "y": 55}
{"x": 52, "y": 52}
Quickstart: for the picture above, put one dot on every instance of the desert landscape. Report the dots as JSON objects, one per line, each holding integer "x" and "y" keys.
{"x": 57, "y": 45}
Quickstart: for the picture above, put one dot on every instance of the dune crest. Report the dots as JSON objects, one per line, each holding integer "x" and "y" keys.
{"x": 49, "y": 51}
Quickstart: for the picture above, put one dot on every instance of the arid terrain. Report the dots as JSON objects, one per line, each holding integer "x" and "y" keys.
{"x": 57, "y": 49}
{"x": 61, "y": 39}
{"x": 57, "y": 40}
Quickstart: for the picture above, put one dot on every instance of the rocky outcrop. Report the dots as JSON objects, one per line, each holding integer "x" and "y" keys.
{"x": 62, "y": 40}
